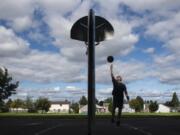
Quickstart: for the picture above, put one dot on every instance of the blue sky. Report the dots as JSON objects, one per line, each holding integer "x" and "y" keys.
{"x": 35, "y": 46}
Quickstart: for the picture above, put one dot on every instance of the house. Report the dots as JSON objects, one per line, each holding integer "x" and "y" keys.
{"x": 146, "y": 107}
{"x": 175, "y": 109}
{"x": 99, "y": 109}
{"x": 127, "y": 109}
{"x": 163, "y": 109}
{"x": 104, "y": 109}
{"x": 18, "y": 110}
{"x": 83, "y": 109}
{"x": 59, "y": 107}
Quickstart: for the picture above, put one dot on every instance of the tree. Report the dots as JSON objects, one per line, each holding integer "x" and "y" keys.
{"x": 141, "y": 102}
{"x": 7, "y": 87}
{"x": 153, "y": 106}
{"x": 96, "y": 100}
{"x": 7, "y": 106}
{"x": 101, "y": 103}
{"x": 108, "y": 100}
{"x": 168, "y": 103}
{"x": 75, "y": 107}
{"x": 42, "y": 104}
{"x": 8, "y": 103}
{"x": 17, "y": 103}
{"x": 30, "y": 105}
{"x": 175, "y": 100}
{"x": 110, "y": 107}
{"x": 83, "y": 101}
{"x": 3, "y": 107}
{"x": 135, "y": 104}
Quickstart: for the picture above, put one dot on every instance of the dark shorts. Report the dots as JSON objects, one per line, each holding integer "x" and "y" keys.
{"x": 118, "y": 102}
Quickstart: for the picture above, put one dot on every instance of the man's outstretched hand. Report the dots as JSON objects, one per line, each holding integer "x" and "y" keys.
{"x": 127, "y": 98}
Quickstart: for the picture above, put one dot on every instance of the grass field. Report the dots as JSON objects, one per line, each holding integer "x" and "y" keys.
{"x": 79, "y": 116}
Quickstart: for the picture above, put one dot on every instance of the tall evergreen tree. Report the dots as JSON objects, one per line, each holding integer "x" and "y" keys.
{"x": 153, "y": 106}
{"x": 75, "y": 107}
{"x": 175, "y": 100}
{"x": 141, "y": 102}
{"x": 83, "y": 101}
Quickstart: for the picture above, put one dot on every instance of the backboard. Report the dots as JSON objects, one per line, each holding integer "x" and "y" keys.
{"x": 103, "y": 29}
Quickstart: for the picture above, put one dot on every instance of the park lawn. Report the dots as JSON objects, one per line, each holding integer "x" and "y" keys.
{"x": 142, "y": 115}
{"x": 83, "y": 116}
{"x": 42, "y": 115}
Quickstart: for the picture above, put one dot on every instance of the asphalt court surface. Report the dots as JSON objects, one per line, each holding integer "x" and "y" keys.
{"x": 56, "y": 126}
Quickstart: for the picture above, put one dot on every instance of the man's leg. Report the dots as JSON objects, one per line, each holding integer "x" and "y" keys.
{"x": 119, "y": 115}
{"x": 113, "y": 113}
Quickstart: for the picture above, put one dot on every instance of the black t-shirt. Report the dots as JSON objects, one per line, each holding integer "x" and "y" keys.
{"x": 118, "y": 88}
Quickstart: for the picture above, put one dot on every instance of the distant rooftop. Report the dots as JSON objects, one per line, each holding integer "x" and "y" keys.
{"x": 60, "y": 102}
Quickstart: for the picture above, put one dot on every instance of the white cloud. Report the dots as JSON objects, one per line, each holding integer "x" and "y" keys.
{"x": 73, "y": 93}
{"x": 121, "y": 44}
{"x": 152, "y": 5}
{"x": 167, "y": 69}
{"x": 146, "y": 94}
{"x": 57, "y": 88}
{"x": 22, "y": 23}
{"x": 13, "y": 9}
{"x": 174, "y": 45}
{"x": 58, "y": 6}
{"x": 164, "y": 60}
{"x": 43, "y": 67}
{"x": 71, "y": 88}
{"x": 109, "y": 8}
{"x": 130, "y": 71}
{"x": 10, "y": 44}
{"x": 60, "y": 15}
{"x": 165, "y": 29}
{"x": 169, "y": 75}
{"x": 150, "y": 50}
{"x": 104, "y": 93}
{"x": 17, "y": 13}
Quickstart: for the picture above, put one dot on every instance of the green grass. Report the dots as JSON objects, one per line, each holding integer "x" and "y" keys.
{"x": 40, "y": 115}
{"x": 81, "y": 116}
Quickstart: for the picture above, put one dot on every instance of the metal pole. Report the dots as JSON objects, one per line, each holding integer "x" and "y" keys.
{"x": 91, "y": 71}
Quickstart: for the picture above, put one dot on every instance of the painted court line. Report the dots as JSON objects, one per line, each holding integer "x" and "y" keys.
{"x": 47, "y": 129}
{"x": 137, "y": 129}
{"x": 33, "y": 124}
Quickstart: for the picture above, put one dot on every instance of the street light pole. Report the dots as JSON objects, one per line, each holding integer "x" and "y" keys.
{"x": 91, "y": 71}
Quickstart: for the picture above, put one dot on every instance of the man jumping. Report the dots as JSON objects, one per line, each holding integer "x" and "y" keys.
{"x": 119, "y": 89}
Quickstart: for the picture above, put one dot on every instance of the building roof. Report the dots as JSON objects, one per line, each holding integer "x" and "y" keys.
{"x": 60, "y": 102}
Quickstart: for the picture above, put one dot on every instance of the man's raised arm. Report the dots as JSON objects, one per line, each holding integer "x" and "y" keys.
{"x": 111, "y": 70}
